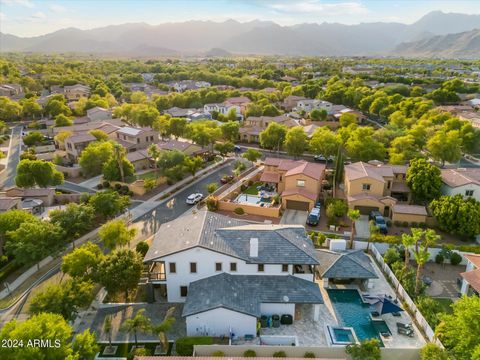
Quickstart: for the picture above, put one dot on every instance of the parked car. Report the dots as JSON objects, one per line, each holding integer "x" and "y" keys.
{"x": 194, "y": 198}
{"x": 314, "y": 217}
{"x": 379, "y": 221}
{"x": 321, "y": 158}
{"x": 226, "y": 179}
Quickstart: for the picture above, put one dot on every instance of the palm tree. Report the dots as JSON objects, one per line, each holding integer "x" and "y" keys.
{"x": 353, "y": 215}
{"x": 424, "y": 239}
{"x": 407, "y": 241}
{"x": 374, "y": 230}
{"x": 421, "y": 257}
{"x": 154, "y": 153}
{"x": 165, "y": 326}
{"x": 119, "y": 155}
{"x": 107, "y": 328}
{"x": 138, "y": 323}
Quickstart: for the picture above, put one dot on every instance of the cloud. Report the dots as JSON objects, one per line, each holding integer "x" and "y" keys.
{"x": 2, "y": 16}
{"x": 57, "y": 8}
{"x": 319, "y": 7}
{"x": 38, "y": 15}
{"x": 25, "y": 3}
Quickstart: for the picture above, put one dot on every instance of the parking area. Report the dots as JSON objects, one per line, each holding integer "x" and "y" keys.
{"x": 297, "y": 217}
{"x": 362, "y": 228}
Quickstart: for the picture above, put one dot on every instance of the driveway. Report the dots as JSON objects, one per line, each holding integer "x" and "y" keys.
{"x": 362, "y": 228}
{"x": 296, "y": 217}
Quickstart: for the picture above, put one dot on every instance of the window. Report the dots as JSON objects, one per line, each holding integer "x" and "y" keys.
{"x": 138, "y": 141}
{"x": 173, "y": 268}
{"x": 301, "y": 183}
{"x": 183, "y": 291}
{"x": 218, "y": 266}
{"x": 285, "y": 268}
{"x": 233, "y": 266}
{"x": 261, "y": 268}
{"x": 389, "y": 184}
{"x": 366, "y": 187}
{"x": 468, "y": 192}
{"x": 193, "y": 268}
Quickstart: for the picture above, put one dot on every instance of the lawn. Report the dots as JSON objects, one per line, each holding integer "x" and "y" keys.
{"x": 252, "y": 190}
{"x": 445, "y": 303}
{"x": 144, "y": 176}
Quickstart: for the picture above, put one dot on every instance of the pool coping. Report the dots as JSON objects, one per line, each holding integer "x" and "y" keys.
{"x": 329, "y": 335}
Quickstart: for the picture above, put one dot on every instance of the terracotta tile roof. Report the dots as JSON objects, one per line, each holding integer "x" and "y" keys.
{"x": 270, "y": 177}
{"x": 137, "y": 155}
{"x": 272, "y": 161}
{"x": 474, "y": 259}
{"x": 6, "y": 203}
{"x": 410, "y": 209}
{"x": 80, "y": 138}
{"x": 315, "y": 171}
{"x": 301, "y": 192}
{"x": 400, "y": 187}
{"x": 473, "y": 278}
{"x": 361, "y": 170}
{"x": 460, "y": 177}
{"x": 238, "y": 100}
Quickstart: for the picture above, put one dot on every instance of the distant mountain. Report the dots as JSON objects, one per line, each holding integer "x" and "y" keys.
{"x": 254, "y": 37}
{"x": 465, "y": 45}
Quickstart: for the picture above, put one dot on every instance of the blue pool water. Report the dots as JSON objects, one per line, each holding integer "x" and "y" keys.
{"x": 343, "y": 335}
{"x": 352, "y": 312}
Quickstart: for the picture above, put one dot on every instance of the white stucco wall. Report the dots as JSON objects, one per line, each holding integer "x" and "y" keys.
{"x": 447, "y": 190}
{"x": 218, "y": 322}
{"x": 277, "y": 309}
{"x": 206, "y": 260}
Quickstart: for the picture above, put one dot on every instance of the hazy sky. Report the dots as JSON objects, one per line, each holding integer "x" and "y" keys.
{"x": 37, "y": 17}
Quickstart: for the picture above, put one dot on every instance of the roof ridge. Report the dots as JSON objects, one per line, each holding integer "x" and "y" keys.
{"x": 357, "y": 262}
{"x": 276, "y": 231}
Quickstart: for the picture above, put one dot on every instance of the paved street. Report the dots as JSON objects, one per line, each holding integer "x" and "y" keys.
{"x": 7, "y": 177}
{"x": 69, "y": 186}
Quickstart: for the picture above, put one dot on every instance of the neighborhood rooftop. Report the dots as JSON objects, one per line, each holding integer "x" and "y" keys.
{"x": 345, "y": 264}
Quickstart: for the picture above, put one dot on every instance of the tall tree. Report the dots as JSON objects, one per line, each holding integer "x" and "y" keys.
{"x": 193, "y": 164}
{"x": 353, "y": 215}
{"x": 94, "y": 156}
{"x": 116, "y": 233}
{"x": 177, "y": 127}
{"x": 273, "y": 136}
{"x": 296, "y": 141}
{"x": 138, "y": 323}
{"x": 82, "y": 263}
{"x": 445, "y": 146}
{"x": 118, "y": 167}
{"x": 10, "y": 221}
{"x": 230, "y": 131}
{"x": 424, "y": 180}
{"x": 75, "y": 219}
{"x": 170, "y": 164}
{"x": 408, "y": 241}
{"x": 252, "y": 155}
{"x": 85, "y": 345}
{"x": 324, "y": 142}
{"x": 162, "y": 328}
{"x": 107, "y": 204}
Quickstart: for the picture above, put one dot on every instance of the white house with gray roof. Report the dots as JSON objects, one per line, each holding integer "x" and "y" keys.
{"x": 221, "y": 266}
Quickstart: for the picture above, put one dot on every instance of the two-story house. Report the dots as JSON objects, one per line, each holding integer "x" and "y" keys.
{"x": 223, "y": 108}
{"x": 463, "y": 181}
{"x": 98, "y": 114}
{"x": 308, "y": 105}
{"x": 254, "y": 125}
{"x": 75, "y": 92}
{"x": 291, "y": 102}
{"x": 134, "y": 139}
{"x": 75, "y": 144}
{"x": 471, "y": 276}
{"x": 228, "y": 272}
{"x": 376, "y": 186}
{"x": 12, "y": 91}
{"x": 298, "y": 182}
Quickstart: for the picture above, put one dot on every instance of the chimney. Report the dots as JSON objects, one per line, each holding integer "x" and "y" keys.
{"x": 253, "y": 247}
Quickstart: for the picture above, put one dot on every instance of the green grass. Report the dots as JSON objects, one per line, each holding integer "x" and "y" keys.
{"x": 252, "y": 190}
{"x": 124, "y": 349}
{"x": 445, "y": 303}
{"x": 145, "y": 176}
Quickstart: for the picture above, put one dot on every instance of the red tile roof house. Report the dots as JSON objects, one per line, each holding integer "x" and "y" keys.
{"x": 298, "y": 182}
{"x": 471, "y": 276}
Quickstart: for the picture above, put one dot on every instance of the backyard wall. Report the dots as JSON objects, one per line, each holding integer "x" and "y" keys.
{"x": 250, "y": 209}
{"x": 299, "y": 351}
{"x": 69, "y": 171}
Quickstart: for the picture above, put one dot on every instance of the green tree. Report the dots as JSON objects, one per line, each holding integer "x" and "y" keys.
{"x": 177, "y": 127}
{"x": 361, "y": 145}
{"x": 107, "y": 204}
{"x": 457, "y": 215}
{"x": 116, "y": 233}
{"x": 171, "y": 164}
{"x": 324, "y": 142}
{"x": 445, "y": 146}
{"x": 82, "y": 263}
{"x": 75, "y": 219}
{"x": 224, "y": 148}
{"x": 252, "y": 155}
{"x": 98, "y": 134}
{"x": 432, "y": 351}
{"x": 366, "y": 350}
{"x": 403, "y": 149}
{"x": 154, "y": 153}
{"x": 33, "y": 138}
{"x": 230, "y": 131}
{"x": 273, "y": 136}
{"x": 270, "y": 110}
{"x": 30, "y": 108}
{"x": 37, "y": 172}
{"x": 459, "y": 332}
{"x": 85, "y": 345}
{"x": 64, "y": 299}
{"x": 9, "y": 110}
{"x": 33, "y": 241}
{"x": 94, "y": 156}
{"x": 424, "y": 239}
{"x": 430, "y": 309}
{"x": 335, "y": 209}
{"x": 145, "y": 116}
{"x": 193, "y": 164}
{"x": 318, "y": 115}
{"x": 43, "y": 326}
{"x": 296, "y": 141}
{"x": 212, "y": 187}
{"x": 55, "y": 107}
{"x": 118, "y": 167}
{"x": 347, "y": 118}
{"x": 424, "y": 180}
{"x": 139, "y": 322}
{"x": 62, "y": 136}
{"x": 353, "y": 215}
{"x": 120, "y": 271}
{"x": 11, "y": 220}
{"x": 62, "y": 120}
{"x": 162, "y": 328}
{"x": 107, "y": 328}
{"x": 408, "y": 241}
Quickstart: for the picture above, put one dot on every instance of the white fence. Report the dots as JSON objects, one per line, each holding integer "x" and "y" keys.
{"x": 421, "y": 322}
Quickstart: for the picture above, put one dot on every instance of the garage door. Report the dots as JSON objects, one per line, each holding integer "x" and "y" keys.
{"x": 297, "y": 205}
{"x": 366, "y": 210}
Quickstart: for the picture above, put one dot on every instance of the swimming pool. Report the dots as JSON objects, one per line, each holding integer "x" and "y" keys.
{"x": 353, "y": 312}
{"x": 338, "y": 335}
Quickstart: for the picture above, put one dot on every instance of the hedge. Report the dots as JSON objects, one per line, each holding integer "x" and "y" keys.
{"x": 184, "y": 346}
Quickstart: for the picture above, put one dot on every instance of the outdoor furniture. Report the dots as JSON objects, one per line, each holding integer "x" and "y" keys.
{"x": 405, "y": 329}
{"x": 249, "y": 337}
{"x": 286, "y": 319}
{"x": 276, "y": 321}
{"x": 396, "y": 314}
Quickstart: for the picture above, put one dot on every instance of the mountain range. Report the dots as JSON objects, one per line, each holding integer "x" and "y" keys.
{"x": 436, "y": 34}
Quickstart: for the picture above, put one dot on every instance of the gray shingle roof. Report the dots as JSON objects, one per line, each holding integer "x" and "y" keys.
{"x": 350, "y": 264}
{"x": 245, "y": 293}
{"x": 277, "y": 244}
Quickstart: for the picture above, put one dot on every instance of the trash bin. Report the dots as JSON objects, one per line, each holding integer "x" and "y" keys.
{"x": 286, "y": 319}
{"x": 276, "y": 321}
{"x": 264, "y": 321}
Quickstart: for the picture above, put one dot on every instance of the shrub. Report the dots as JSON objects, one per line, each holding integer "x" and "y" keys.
{"x": 432, "y": 351}
{"x": 367, "y": 349}
{"x": 212, "y": 187}
{"x": 142, "y": 248}
{"x": 389, "y": 223}
{"x": 405, "y": 224}
{"x": 439, "y": 259}
{"x": 391, "y": 255}
{"x": 184, "y": 346}
{"x": 279, "y": 354}
{"x": 99, "y": 186}
{"x": 117, "y": 186}
{"x": 218, "y": 353}
{"x": 106, "y": 184}
{"x": 422, "y": 225}
{"x": 244, "y": 187}
{"x": 249, "y": 353}
{"x": 320, "y": 240}
{"x": 239, "y": 211}
{"x": 455, "y": 258}
{"x": 309, "y": 355}
{"x": 250, "y": 182}
{"x": 413, "y": 224}
{"x": 137, "y": 352}
{"x": 212, "y": 203}
{"x": 397, "y": 223}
